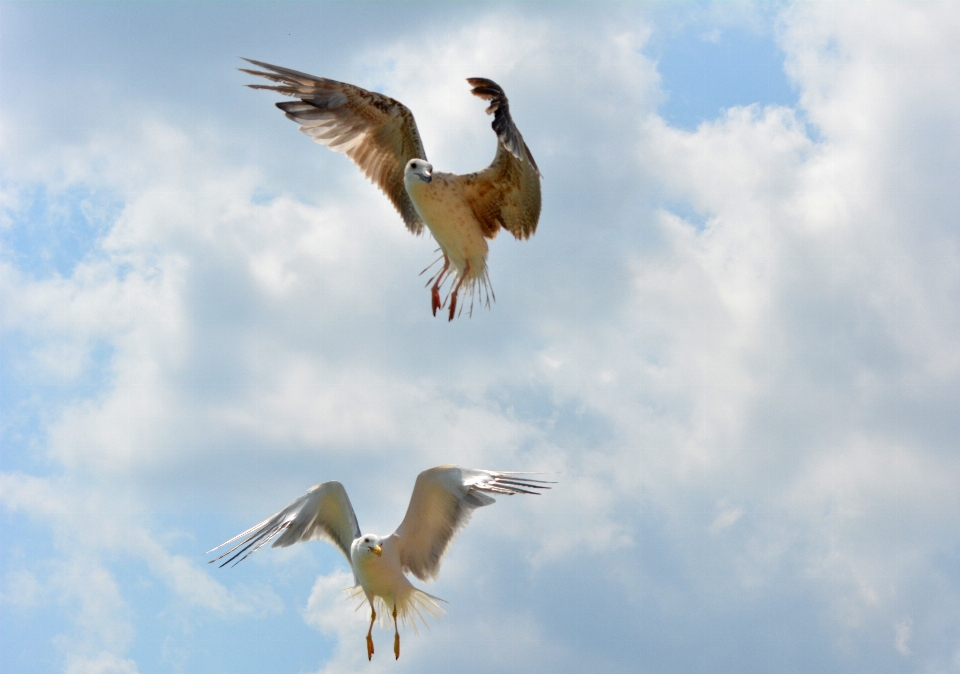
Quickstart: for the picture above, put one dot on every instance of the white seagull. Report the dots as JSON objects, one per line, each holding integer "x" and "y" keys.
{"x": 380, "y": 135}
{"x": 441, "y": 504}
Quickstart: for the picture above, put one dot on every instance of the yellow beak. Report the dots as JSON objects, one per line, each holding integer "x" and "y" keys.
{"x": 377, "y": 550}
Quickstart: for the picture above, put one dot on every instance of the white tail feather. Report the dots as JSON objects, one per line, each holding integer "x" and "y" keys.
{"x": 411, "y": 606}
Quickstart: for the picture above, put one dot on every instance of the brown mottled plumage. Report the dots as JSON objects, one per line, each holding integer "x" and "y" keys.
{"x": 380, "y": 135}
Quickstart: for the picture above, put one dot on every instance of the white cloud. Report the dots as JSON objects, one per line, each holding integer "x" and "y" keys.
{"x": 88, "y": 524}
{"x": 760, "y": 383}
{"x": 330, "y": 610}
{"x": 726, "y": 518}
{"x": 104, "y": 663}
{"x": 102, "y": 616}
{"x": 902, "y": 639}
{"x": 22, "y": 589}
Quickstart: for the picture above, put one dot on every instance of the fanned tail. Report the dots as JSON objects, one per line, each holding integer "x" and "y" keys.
{"x": 474, "y": 285}
{"x": 410, "y": 607}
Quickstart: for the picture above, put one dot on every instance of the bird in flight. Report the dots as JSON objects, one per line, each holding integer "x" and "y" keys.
{"x": 441, "y": 504}
{"x": 380, "y": 135}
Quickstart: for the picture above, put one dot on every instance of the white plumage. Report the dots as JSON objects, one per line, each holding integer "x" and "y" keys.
{"x": 441, "y": 504}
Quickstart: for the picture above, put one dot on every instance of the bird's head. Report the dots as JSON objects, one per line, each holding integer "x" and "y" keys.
{"x": 419, "y": 168}
{"x": 369, "y": 545}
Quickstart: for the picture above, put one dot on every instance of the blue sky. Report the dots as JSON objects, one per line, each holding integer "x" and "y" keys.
{"x": 732, "y": 339}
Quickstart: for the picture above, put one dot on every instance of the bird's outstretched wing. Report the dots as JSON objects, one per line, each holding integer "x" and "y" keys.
{"x": 324, "y": 513}
{"x": 377, "y": 132}
{"x": 506, "y": 193}
{"x": 441, "y": 504}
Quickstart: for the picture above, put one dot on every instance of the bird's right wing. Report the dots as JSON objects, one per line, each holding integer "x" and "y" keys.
{"x": 377, "y": 132}
{"x": 324, "y": 513}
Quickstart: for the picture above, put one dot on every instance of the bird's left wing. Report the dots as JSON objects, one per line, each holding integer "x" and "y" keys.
{"x": 506, "y": 193}
{"x": 441, "y": 504}
{"x": 324, "y": 513}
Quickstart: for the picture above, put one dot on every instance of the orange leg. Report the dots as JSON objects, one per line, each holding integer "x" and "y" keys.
{"x": 435, "y": 291}
{"x": 373, "y": 616}
{"x": 396, "y": 633}
{"x": 456, "y": 289}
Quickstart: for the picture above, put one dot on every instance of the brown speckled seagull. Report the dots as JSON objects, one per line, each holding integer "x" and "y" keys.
{"x": 380, "y": 135}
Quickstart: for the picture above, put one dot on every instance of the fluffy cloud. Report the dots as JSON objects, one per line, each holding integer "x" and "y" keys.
{"x": 734, "y": 345}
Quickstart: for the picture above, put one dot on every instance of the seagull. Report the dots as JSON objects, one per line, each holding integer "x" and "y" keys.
{"x": 442, "y": 502}
{"x": 380, "y": 135}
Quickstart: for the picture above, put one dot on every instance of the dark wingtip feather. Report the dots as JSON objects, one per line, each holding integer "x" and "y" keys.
{"x": 260, "y": 64}
{"x": 503, "y": 125}
{"x": 509, "y": 484}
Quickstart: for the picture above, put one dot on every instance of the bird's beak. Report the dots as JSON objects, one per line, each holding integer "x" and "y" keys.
{"x": 426, "y": 177}
{"x": 377, "y": 550}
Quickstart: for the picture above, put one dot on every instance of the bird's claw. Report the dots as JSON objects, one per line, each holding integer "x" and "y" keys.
{"x": 453, "y": 306}
{"x": 396, "y": 645}
{"x": 435, "y": 300}
{"x": 370, "y": 648}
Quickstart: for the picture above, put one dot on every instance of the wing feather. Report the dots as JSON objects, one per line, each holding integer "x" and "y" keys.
{"x": 506, "y": 193}
{"x": 323, "y": 513}
{"x": 441, "y": 504}
{"x": 375, "y": 131}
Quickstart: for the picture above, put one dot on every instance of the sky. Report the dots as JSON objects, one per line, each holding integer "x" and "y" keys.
{"x": 732, "y": 342}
